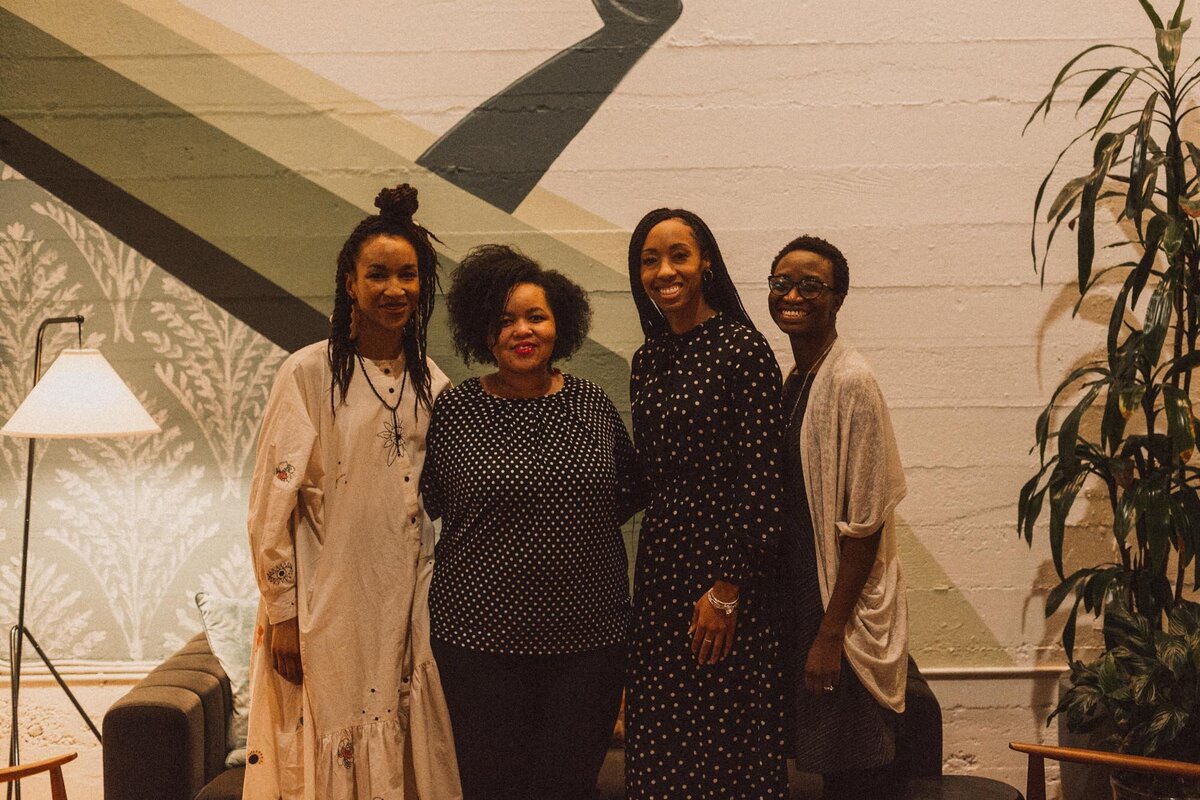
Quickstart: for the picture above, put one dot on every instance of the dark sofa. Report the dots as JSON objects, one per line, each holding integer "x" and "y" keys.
{"x": 166, "y": 738}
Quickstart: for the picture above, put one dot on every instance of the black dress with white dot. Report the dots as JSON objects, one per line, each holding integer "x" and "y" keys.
{"x": 532, "y": 494}
{"x": 705, "y": 419}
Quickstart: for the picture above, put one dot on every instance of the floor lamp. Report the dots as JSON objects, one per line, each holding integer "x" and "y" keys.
{"x": 81, "y": 396}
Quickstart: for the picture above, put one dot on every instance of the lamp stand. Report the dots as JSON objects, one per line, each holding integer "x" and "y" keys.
{"x": 19, "y": 632}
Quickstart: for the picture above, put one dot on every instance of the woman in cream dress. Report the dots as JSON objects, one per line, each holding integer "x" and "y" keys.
{"x": 346, "y": 700}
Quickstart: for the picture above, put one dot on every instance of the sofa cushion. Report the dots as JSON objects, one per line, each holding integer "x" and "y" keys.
{"x": 229, "y": 627}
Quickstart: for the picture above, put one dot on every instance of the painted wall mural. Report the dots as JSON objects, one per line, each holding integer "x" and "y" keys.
{"x": 182, "y": 172}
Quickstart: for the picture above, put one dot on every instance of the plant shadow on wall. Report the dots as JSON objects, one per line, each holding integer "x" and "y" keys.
{"x": 1142, "y": 694}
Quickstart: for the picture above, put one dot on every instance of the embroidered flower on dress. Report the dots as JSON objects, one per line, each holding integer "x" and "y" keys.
{"x": 254, "y": 757}
{"x": 284, "y": 471}
{"x": 393, "y": 440}
{"x": 284, "y": 573}
{"x": 345, "y": 753}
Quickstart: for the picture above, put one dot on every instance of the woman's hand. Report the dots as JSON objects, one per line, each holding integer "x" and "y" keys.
{"x": 712, "y": 630}
{"x": 285, "y": 650}
{"x": 824, "y": 665}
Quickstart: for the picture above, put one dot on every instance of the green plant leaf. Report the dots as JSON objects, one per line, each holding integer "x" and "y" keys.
{"x": 1155, "y": 20}
{"x": 1115, "y": 101}
{"x": 1177, "y": 16}
{"x": 1178, "y": 410}
{"x": 1154, "y": 234}
{"x": 1086, "y": 232}
{"x": 1126, "y": 515}
{"x": 1184, "y": 619}
{"x": 1043, "y": 106}
{"x": 1029, "y": 504}
{"x": 1064, "y": 488}
{"x": 1067, "y": 195}
{"x": 1068, "y": 634}
{"x": 1185, "y": 363}
{"x": 1137, "y": 163}
{"x": 1068, "y": 433}
{"x": 1154, "y": 327}
{"x": 1099, "y": 84}
{"x": 1170, "y": 42}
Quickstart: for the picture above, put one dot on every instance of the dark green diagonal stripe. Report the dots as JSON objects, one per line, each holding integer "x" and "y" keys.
{"x": 264, "y": 215}
{"x": 277, "y": 315}
{"x": 163, "y": 166}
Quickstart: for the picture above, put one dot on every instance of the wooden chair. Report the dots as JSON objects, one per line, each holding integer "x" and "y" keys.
{"x": 58, "y": 789}
{"x": 1038, "y": 753}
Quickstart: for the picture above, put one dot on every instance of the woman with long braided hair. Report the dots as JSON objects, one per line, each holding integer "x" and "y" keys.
{"x": 346, "y": 699}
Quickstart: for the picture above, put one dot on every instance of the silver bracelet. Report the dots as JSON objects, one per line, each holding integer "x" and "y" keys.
{"x": 721, "y": 605}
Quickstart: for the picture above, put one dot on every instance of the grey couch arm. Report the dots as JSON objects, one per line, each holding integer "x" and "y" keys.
{"x": 166, "y": 738}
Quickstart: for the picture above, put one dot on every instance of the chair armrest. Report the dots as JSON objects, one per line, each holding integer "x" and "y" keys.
{"x": 1038, "y": 753}
{"x": 22, "y": 771}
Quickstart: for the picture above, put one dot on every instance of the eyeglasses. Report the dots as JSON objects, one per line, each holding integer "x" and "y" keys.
{"x": 808, "y": 288}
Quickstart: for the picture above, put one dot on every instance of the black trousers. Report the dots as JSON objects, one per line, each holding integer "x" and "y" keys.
{"x": 530, "y": 727}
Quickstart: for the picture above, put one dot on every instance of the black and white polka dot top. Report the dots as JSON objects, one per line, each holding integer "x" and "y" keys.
{"x": 706, "y": 422}
{"x": 532, "y": 494}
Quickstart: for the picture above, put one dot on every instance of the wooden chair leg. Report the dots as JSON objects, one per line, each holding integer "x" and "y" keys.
{"x": 1035, "y": 786}
{"x": 58, "y": 789}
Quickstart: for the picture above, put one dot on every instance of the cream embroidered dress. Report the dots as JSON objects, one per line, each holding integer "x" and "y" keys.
{"x": 339, "y": 539}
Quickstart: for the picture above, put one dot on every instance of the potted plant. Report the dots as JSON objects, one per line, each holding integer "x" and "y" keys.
{"x": 1128, "y": 432}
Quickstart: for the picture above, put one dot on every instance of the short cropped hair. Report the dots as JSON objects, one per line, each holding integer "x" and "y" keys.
{"x": 480, "y": 289}
{"x": 815, "y": 244}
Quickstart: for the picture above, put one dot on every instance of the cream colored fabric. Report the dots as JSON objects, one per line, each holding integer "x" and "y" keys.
{"x": 339, "y": 538}
{"x": 854, "y": 480}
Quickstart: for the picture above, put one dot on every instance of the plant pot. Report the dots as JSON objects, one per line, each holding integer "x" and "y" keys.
{"x": 1122, "y": 791}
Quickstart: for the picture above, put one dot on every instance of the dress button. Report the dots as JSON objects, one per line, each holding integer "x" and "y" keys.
{"x": 391, "y": 391}
{"x": 387, "y": 372}
{"x": 406, "y": 479}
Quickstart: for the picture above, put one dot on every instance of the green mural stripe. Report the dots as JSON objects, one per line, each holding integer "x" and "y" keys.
{"x": 944, "y": 628}
{"x": 335, "y": 139}
{"x": 283, "y": 319}
{"x": 263, "y": 214}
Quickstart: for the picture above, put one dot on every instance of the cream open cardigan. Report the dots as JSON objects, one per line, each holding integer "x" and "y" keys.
{"x": 854, "y": 480}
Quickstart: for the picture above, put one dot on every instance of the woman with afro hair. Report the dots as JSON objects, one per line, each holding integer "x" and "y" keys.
{"x": 532, "y": 473}
{"x": 346, "y": 699}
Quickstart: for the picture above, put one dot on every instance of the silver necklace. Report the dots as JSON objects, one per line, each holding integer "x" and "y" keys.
{"x": 809, "y": 377}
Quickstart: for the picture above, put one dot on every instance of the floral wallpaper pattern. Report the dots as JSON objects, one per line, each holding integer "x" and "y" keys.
{"x": 124, "y": 531}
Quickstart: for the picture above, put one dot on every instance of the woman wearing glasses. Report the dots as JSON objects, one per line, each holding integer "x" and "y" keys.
{"x": 704, "y": 715}
{"x": 846, "y": 634}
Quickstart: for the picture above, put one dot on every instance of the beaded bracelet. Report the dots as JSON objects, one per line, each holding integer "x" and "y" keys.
{"x": 721, "y": 605}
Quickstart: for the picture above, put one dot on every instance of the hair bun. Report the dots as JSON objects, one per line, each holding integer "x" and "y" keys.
{"x": 398, "y": 203}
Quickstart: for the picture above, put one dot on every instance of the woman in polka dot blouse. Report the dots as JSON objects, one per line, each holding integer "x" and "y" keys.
{"x": 533, "y": 474}
{"x": 704, "y": 714}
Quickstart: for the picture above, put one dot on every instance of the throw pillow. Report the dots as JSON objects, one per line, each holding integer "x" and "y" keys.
{"x": 229, "y": 627}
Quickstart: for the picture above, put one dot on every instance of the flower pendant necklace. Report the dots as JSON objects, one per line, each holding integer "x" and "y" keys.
{"x": 393, "y": 432}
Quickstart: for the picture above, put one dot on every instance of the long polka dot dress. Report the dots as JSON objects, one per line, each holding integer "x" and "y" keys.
{"x": 705, "y": 421}
{"x": 532, "y": 494}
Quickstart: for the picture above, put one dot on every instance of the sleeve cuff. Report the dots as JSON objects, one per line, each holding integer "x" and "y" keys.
{"x": 282, "y": 608}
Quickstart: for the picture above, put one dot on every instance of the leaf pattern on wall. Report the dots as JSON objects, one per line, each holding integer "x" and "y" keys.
{"x": 121, "y": 272}
{"x": 34, "y": 284}
{"x": 232, "y": 577}
{"x": 54, "y": 614}
{"x": 219, "y": 369}
{"x": 7, "y": 173}
{"x": 132, "y": 513}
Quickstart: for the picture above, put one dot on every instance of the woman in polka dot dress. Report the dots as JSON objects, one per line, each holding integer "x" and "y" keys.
{"x": 533, "y": 473}
{"x": 704, "y": 714}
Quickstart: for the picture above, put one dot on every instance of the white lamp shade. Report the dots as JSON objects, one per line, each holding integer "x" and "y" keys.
{"x": 80, "y": 396}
